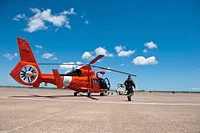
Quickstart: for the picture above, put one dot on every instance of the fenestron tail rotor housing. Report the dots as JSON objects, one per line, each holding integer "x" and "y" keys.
{"x": 29, "y": 74}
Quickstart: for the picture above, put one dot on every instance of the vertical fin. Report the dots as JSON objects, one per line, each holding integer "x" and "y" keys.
{"x": 25, "y": 51}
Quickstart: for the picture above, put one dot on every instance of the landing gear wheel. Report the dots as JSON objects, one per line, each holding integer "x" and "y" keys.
{"x": 101, "y": 94}
{"x": 75, "y": 93}
{"x": 89, "y": 94}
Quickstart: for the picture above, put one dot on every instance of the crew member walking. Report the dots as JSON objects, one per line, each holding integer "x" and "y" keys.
{"x": 129, "y": 83}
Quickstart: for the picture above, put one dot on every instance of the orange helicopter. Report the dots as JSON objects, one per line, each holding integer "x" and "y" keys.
{"x": 82, "y": 79}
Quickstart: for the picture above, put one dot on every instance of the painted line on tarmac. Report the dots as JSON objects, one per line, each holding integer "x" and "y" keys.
{"x": 143, "y": 103}
{"x": 170, "y": 104}
{"x": 108, "y": 102}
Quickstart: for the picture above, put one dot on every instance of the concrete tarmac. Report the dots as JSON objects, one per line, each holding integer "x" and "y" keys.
{"x": 25, "y": 110}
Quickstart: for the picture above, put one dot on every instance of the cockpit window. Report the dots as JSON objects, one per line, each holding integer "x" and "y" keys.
{"x": 95, "y": 81}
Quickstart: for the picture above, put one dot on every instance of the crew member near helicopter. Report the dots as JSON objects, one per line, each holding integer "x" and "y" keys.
{"x": 129, "y": 83}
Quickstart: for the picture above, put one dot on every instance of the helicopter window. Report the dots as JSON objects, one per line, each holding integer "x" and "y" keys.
{"x": 76, "y": 72}
{"x": 95, "y": 81}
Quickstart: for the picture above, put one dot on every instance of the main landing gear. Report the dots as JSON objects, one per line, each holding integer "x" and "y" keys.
{"x": 89, "y": 94}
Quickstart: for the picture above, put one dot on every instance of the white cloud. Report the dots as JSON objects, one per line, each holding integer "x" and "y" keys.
{"x": 150, "y": 45}
{"x": 86, "y": 22}
{"x": 119, "y": 48}
{"x": 35, "y": 24}
{"x": 87, "y": 55}
{"x": 122, "y": 53}
{"x": 64, "y": 66}
{"x": 68, "y": 66}
{"x": 102, "y": 51}
{"x": 122, "y": 64}
{"x": 10, "y": 56}
{"x": 125, "y": 53}
{"x": 97, "y": 51}
{"x": 140, "y": 60}
{"x": 39, "y": 46}
{"x": 56, "y": 20}
{"x": 83, "y": 15}
{"x": 43, "y": 17}
{"x": 19, "y": 16}
{"x": 71, "y": 12}
{"x": 54, "y": 58}
{"x": 145, "y": 51}
{"x": 49, "y": 56}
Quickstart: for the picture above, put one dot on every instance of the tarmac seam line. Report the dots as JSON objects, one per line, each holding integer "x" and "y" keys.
{"x": 31, "y": 123}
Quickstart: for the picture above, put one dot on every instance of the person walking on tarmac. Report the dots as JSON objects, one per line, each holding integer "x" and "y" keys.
{"x": 129, "y": 83}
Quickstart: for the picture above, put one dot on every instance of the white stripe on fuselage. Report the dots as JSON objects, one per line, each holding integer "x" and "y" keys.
{"x": 67, "y": 80}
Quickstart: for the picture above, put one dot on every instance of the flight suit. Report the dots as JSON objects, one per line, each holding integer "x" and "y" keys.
{"x": 129, "y": 87}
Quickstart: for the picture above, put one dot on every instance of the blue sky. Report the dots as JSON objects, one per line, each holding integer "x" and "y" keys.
{"x": 159, "y": 40}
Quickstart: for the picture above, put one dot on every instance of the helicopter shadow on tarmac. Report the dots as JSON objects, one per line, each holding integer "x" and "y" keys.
{"x": 56, "y": 96}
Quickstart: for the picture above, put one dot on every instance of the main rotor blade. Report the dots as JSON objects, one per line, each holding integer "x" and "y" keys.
{"x": 96, "y": 59}
{"x": 114, "y": 70}
{"x": 91, "y": 62}
{"x": 60, "y": 64}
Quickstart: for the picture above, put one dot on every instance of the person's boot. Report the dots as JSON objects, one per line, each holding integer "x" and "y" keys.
{"x": 129, "y": 98}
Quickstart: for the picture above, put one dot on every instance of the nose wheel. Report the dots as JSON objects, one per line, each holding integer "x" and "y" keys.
{"x": 88, "y": 93}
{"x": 75, "y": 93}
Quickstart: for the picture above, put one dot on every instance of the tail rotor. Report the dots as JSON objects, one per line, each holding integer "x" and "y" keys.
{"x": 29, "y": 74}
